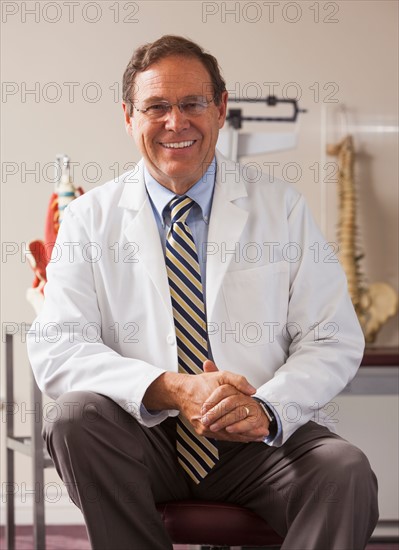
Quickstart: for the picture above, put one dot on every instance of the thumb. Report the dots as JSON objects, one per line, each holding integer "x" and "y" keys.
{"x": 209, "y": 366}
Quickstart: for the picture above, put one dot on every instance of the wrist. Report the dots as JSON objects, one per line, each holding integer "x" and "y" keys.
{"x": 271, "y": 417}
{"x": 164, "y": 392}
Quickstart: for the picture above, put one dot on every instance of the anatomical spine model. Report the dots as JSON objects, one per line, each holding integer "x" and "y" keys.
{"x": 375, "y": 303}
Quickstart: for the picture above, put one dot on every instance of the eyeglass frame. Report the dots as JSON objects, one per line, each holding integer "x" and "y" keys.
{"x": 177, "y": 104}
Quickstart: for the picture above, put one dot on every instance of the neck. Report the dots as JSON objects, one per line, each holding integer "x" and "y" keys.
{"x": 178, "y": 185}
{"x": 177, "y": 188}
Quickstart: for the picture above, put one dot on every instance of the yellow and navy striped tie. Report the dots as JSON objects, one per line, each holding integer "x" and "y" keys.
{"x": 196, "y": 454}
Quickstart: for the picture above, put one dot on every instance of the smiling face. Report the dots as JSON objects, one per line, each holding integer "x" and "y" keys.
{"x": 178, "y": 149}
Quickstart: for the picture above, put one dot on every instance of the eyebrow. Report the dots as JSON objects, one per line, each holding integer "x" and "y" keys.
{"x": 158, "y": 99}
{"x": 154, "y": 98}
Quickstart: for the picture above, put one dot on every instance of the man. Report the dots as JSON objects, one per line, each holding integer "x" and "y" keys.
{"x": 195, "y": 338}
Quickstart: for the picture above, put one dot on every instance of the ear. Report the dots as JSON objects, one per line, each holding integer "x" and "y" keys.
{"x": 128, "y": 118}
{"x": 222, "y": 107}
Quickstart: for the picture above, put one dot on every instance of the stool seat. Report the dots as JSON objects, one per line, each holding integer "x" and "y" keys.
{"x": 215, "y": 523}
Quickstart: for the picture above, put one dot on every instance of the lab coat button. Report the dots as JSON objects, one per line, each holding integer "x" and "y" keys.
{"x": 170, "y": 339}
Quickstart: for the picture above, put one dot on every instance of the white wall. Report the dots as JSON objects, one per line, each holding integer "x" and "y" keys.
{"x": 334, "y": 54}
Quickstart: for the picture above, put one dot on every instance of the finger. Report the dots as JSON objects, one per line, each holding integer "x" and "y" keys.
{"x": 239, "y": 414}
{"x": 209, "y": 366}
{"x": 239, "y": 382}
{"x": 244, "y": 416}
{"x": 248, "y": 427}
{"x": 230, "y": 410}
{"x": 223, "y": 399}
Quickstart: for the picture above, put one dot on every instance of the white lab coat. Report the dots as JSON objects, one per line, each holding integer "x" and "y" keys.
{"x": 277, "y": 303}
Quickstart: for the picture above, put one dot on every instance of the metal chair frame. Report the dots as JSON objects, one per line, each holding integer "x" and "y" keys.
{"x": 32, "y": 446}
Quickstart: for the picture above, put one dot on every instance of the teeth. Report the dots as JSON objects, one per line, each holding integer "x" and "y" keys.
{"x": 179, "y": 145}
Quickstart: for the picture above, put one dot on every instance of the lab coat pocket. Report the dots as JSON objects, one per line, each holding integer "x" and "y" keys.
{"x": 257, "y": 302}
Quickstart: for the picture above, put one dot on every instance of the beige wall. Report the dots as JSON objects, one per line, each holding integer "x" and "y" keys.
{"x": 350, "y": 64}
{"x": 336, "y": 55}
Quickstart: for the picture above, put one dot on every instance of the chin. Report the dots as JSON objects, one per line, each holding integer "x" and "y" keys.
{"x": 179, "y": 171}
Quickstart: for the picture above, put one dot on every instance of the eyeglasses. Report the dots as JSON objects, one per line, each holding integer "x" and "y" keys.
{"x": 189, "y": 106}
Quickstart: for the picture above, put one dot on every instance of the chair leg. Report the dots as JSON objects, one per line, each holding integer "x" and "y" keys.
{"x": 10, "y": 514}
{"x": 39, "y": 528}
{"x": 10, "y": 466}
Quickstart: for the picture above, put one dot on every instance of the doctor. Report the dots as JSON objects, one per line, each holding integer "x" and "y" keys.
{"x": 195, "y": 329}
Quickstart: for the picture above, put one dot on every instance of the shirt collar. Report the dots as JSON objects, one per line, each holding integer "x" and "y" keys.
{"x": 201, "y": 192}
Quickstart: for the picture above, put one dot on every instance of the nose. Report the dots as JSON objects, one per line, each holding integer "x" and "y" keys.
{"x": 176, "y": 120}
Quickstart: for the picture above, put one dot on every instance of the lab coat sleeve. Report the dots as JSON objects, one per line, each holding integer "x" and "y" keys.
{"x": 326, "y": 341}
{"x": 65, "y": 347}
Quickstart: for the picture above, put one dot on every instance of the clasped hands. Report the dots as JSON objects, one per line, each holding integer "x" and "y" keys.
{"x": 219, "y": 404}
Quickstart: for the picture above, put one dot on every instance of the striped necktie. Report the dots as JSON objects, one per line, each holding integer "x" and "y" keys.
{"x": 196, "y": 454}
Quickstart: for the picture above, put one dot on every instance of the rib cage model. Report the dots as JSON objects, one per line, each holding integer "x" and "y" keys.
{"x": 375, "y": 303}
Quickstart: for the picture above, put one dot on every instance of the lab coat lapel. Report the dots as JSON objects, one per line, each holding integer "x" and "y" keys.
{"x": 143, "y": 231}
{"x": 226, "y": 225}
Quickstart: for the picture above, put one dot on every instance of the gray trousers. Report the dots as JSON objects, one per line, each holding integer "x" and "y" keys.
{"x": 317, "y": 490}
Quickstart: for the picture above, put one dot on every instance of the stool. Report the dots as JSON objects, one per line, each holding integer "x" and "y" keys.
{"x": 216, "y": 524}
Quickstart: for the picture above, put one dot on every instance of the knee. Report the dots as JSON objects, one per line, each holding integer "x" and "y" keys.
{"x": 359, "y": 473}
{"x": 72, "y": 413}
{"x": 345, "y": 461}
{"x": 346, "y": 469}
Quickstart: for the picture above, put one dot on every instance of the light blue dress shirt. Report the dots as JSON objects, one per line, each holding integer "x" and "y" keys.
{"x": 198, "y": 221}
{"x": 198, "y": 218}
